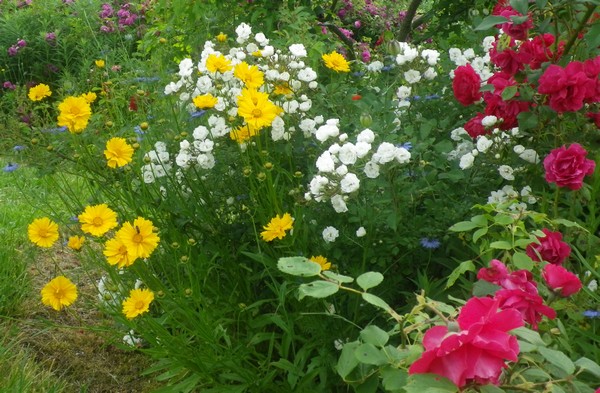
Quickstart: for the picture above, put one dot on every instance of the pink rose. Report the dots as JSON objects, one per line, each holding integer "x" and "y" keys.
{"x": 530, "y": 305}
{"x": 478, "y": 351}
{"x": 568, "y": 166}
{"x": 509, "y": 60}
{"x": 496, "y": 273}
{"x": 551, "y": 248}
{"x": 516, "y": 31}
{"x": 566, "y": 88}
{"x": 560, "y": 280}
{"x": 466, "y": 84}
{"x": 540, "y": 50}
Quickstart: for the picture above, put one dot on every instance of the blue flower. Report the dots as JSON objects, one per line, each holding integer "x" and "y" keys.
{"x": 407, "y": 145}
{"x": 430, "y": 243}
{"x": 19, "y": 148}
{"x": 10, "y": 167}
{"x": 591, "y": 314}
{"x": 56, "y": 130}
{"x": 199, "y": 113}
{"x": 432, "y": 97}
{"x": 142, "y": 79}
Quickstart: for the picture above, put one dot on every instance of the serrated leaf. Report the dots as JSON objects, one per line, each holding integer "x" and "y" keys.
{"x": 509, "y": 92}
{"x": 369, "y": 280}
{"x": 491, "y": 21}
{"x": 504, "y": 219}
{"x": 370, "y": 354}
{"x": 501, "y": 245}
{"x": 522, "y": 261}
{"x": 589, "y": 366}
{"x": 347, "y": 361}
{"x": 375, "y": 301}
{"x": 462, "y": 268}
{"x": 374, "y": 335}
{"x": 317, "y": 289}
{"x": 463, "y": 226}
{"x": 429, "y": 383}
{"x": 298, "y": 266}
{"x": 337, "y": 277}
{"x": 479, "y": 233}
{"x": 558, "y": 359}
{"x": 393, "y": 378}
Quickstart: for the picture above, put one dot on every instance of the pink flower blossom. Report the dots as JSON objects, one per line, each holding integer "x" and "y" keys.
{"x": 551, "y": 248}
{"x": 568, "y": 166}
{"x": 560, "y": 280}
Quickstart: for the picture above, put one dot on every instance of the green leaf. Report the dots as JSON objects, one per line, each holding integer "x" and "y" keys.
{"x": 318, "y": 289}
{"x": 480, "y": 220}
{"x": 376, "y": 301}
{"x": 589, "y": 366}
{"x": 463, "y": 226}
{"x": 541, "y": 3}
{"x": 557, "y": 389}
{"x": 368, "y": 386}
{"x": 521, "y": 6}
{"x": 558, "y": 359}
{"x": 592, "y": 37}
{"x": 504, "y": 219}
{"x": 509, "y": 92}
{"x": 501, "y": 245}
{"x": 393, "y": 378}
{"x": 527, "y": 120}
{"x": 523, "y": 242}
{"x": 517, "y": 20}
{"x": 369, "y": 354}
{"x": 522, "y": 261}
{"x": 529, "y": 335}
{"x": 483, "y": 288}
{"x": 491, "y": 21}
{"x": 567, "y": 223}
{"x": 479, "y": 233}
{"x": 347, "y": 361}
{"x": 369, "y": 280}
{"x": 374, "y": 335}
{"x": 429, "y": 383}
{"x": 337, "y": 277}
{"x": 490, "y": 389}
{"x": 466, "y": 266}
{"x": 298, "y": 266}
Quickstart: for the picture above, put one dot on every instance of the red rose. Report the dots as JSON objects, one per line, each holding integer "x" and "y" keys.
{"x": 539, "y": 50}
{"x": 516, "y": 31}
{"x": 509, "y": 60}
{"x": 466, "y": 84}
{"x": 530, "y": 305}
{"x": 567, "y": 88}
{"x": 560, "y": 280}
{"x": 568, "y": 166}
{"x": 495, "y": 273}
{"x": 474, "y": 127}
{"x": 476, "y": 353}
{"x": 551, "y": 248}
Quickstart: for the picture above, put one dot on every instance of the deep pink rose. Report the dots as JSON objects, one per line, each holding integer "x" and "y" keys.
{"x": 540, "y": 48}
{"x": 505, "y": 110}
{"x": 508, "y": 59}
{"x": 560, "y": 280}
{"x": 495, "y": 273}
{"x": 474, "y": 127}
{"x": 478, "y": 351}
{"x": 568, "y": 166}
{"x": 466, "y": 84}
{"x": 498, "y": 274}
{"x": 567, "y": 88}
{"x": 551, "y": 248}
{"x": 516, "y": 31}
{"x": 530, "y": 305}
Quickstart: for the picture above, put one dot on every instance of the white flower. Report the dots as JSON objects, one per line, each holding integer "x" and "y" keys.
{"x": 454, "y": 54}
{"x": 349, "y": 183}
{"x": 307, "y": 75}
{"x": 206, "y": 161}
{"x": 593, "y": 285}
{"x": 243, "y": 32}
{"x": 186, "y": 67}
{"x": 375, "y": 66}
{"x": 466, "y": 161}
{"x": 402, "y": 155}
{"x": 200, "y": 133}
{"x": 366, "y": 136}
{"x": 147, "y": 174}
{"x": 131, "y": 340}
{"x": 412, "y": 76}
{"x": 325, "y": 162}
{"x": 497, "y": 197}
{"x": 338, "y": 203}
{"x": 469, "y": 53}
{"x": 506, "y": 172}
{"x": 489, "y": 121}
{"x": 371, "y": 170}
{"x": 308, "y": 126}
{"x": 403, "y": 92}
{"x": 317, "y": 184}
{"x": 261, "y": 39}
{"x": 362, "y": 149}
{"x": 173, "y": 87}
{"x": 483, "y": 143}
{"x": 305, "y": 106}
{"x": 526, "y": 191}
{"x": 267, "y": 51}
{"x": 204, "y": 146}
{"x": 530, "y": 155}
{"x": 510, "y": 192}
{"x": 298, "y": 50}
{"x": 329, "y": 129}
{"x": 360, "y": 232}
{"x": 487, "y": 43}
{"x": 330, "y": 234}
{"x": 430, "y": 74}
{"x": 458, "y": 134}
{"x": 386, "y": 152}
{"x": 290, "y": 106}
{"x": 519, "y": 149}
{"x": 347, "y": 154}
{"x": 430, "y": 55}
{"x": 183, "y": 160}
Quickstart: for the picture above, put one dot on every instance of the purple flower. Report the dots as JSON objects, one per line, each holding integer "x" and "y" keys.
{"x": 13, "y": 50}
{"x": 18, "y": 148}
{"x": 591, "y": 314}
{"x": 10, "y": 167}
{"x": 430, "y": 243}
{"x": 50, "y": 37}
{"x": 9, "y": 85}
{"x": 21, "y": 43}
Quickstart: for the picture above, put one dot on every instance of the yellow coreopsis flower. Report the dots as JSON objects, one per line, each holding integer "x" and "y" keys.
{"x": 336, "y": 62}
{"x": 98, "y": 219}
{"x": 243, "y": 133}
{"x": 139, "y": 238}
{"x": 118, "y": 152}
{"x": 221, "y": 37}
{"x": 205, "y": 101}
{"x": 39, "y": 92}
{"x": 137, "y": 303}
{"x": 100, "y": 63}
{"x": 218, "y": 62}
{"x": 321, "y": 260}
{"x": 58, "y": 293}
{"x": 74, "y": 114}
{"x": 76, "y": 242}
{"x": 116, "y": 253}
{"x": 252, "y": 77}
{"x": 277, "y": 227}
{"x": 90, "y": 96}
{"x": 256, "y": 109}
{"x": 283, "y": 89}
{"x": 43, "y": 232}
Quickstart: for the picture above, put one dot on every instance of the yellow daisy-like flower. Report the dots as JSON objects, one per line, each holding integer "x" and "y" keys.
{"x": 252, "y": 77}
{"x": 336, "y": 62}
{"x": 137, "y": 303}
{"x": 76, "y": 242}
{"x": 43, "y": 232}
{"x": 256, "y": 109}
{"x": 100, "y": 63}
{"x": 283, "y": 89}
{"x": 221, "y": 37}
{"x": 90, "y": 96}
{"x": 218, "y": 63}
{"x": 58, "y": 293}
{"x": 98, "y": 219}
{"x": 205, "y": 101}
{"x": 116, "y": 253}
{"x": 39, "y": 92}
{"x": 139, "y": 238}
{"x": 243, "y": 133}
{"x": 276, "y": 227}
{"x": 321, "y": 260}
{"x": 118, "y": 152}
{"x": 74, "y": 114}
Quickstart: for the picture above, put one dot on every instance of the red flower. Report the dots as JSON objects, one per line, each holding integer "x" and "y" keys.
{"x": 466, "y": 84}
{"x": 478, "y": 352}
{"x": 560, "y": 280}
{"x": 356, "y": 97}
{"x": 516, "y": 31}
{"x": 530, "y": 305}
{"x": 539, "y": 50}
{"x": 551, "y": 248}
{"x": 568, "y": 166}
{"x": 508, "y": 59}
{"x": 133, "y": 104}
{"x": 595, "y": 118}
{"x": 474, "y": 127}
{"x": 567, "y": 88}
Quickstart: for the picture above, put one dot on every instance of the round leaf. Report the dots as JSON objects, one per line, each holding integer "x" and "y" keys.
{"x": 318, "y": 289}
{"x": 369, "y": 280}
{"x": 298, "y": 266}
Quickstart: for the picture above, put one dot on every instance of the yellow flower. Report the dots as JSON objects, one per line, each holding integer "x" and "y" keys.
{"x": 116, "y": 253}
{"x": 250, "y": 75}
{"x": 221, "y": 37}
{"x": 205, "y": 101}
{"x": 256, "y": 109}
{"x": 43, "y": 232}
{"x": 218, "y": 63}
{"x": 76, "y": 242}
{"x": 243, "y": 133}
{"x": 99, "y": 63}
{"x": 137, "y": 303}
{"x": 139, "y": 238}
{"x": 118, "y": 152}
{"x": 276, "y": 227}
{"x": 97, "y": 219}
{"x": 58, "y": 293}
{"x": 89, "y": 97}
{"x": 321, "y": 260}
{"x": 282, "y": 89}
{"x": 74, "y": 114}
{"x": 257, "y": 53}
{"x": 39, "y": 92}
{"x": 336, "y": 62}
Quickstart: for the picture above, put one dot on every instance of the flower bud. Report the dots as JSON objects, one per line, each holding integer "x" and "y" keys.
{"x": 366, "y": 120}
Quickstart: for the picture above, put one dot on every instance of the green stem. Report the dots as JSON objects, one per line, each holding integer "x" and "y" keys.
{"x": 590, "y": 10}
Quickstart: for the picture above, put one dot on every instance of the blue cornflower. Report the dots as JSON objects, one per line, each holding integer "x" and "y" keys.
{"x": 386, "y": 68}
{"x": 10, "y": 167}
{"x": 18, "y": 148}
{"x": 407, "y": 145}
{"x": 432, "y": 97}
{"x": 56, "y": 130}
{"x": 591, "y": 314}
{"x": 198, "y": 113}
{"x": 358, "y": 74}
{"x": 430, "y": 243}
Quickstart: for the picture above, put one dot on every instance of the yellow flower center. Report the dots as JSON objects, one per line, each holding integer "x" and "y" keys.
{"x": 123, "y": 249}
{"x": 58, "y": 292}
{"x": 43, "y": 233}
{"x": 256, "y": 112}
{"x": 137, "y": 238}
{"x": 98, "y": 221}
{"x": 140, "y": 304}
